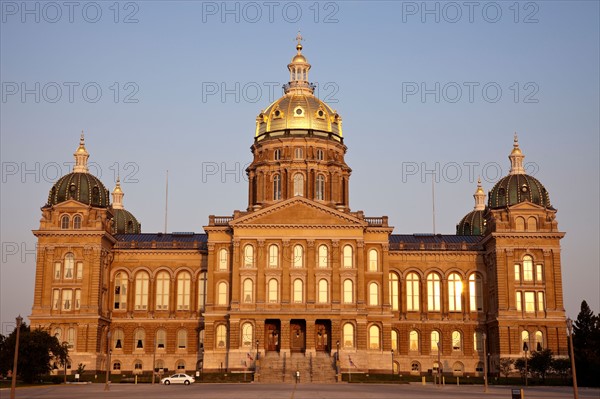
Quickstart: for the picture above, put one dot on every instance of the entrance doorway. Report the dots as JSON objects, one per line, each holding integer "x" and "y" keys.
{"x": 298, "y": 335}
{"x": 323, "y": 335}
{"x": 272, "y": 330}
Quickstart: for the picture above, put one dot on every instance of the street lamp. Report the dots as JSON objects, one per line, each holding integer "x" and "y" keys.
{"x": 526, "y": 349}
{"x": 154, "y": 359}
{"x": 392, "y": 352}
{"x": 257, "y": 342}
{"x": 106, "y": 382}
{"x": 572, "y": 353}
{"x": 337, "y": 360}
{"x": 485, "y": 365}
{"x": 439, "y": 364}
{"x": 13, "y": 385}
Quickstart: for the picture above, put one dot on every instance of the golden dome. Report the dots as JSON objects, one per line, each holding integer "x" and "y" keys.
{"x": 299, "y": 58}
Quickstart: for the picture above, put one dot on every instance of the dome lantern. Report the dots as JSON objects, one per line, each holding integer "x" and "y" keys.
{"x": 81, "y": 157}
{"x": 516, "y": 159}
{"x": 299, "y": 68}
{"x": 479, "y": 197}
{"x": 117, "y": 196}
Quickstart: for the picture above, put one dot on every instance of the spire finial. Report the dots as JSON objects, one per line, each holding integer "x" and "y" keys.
{"x": 516, "y": 158}
{"x": 118, "y": 195}
{"x": 299, "y": 38}
{"x": 479, "y": 196}
{"x": 81, "y": 156}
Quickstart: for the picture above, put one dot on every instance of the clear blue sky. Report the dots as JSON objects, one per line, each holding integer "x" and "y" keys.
{"x": 496, "y": 69}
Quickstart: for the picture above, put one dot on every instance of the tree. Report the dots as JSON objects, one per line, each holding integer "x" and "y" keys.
{"x": 540, "y": 363}
{"x": 506, "y": 366}
{"x": 586, "y": 345}
{"x": 561, "y": 367}
{"x": 37, "y": 350}
{"x": 520, "y": 365}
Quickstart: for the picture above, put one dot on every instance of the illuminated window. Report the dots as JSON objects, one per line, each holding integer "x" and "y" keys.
{"x": 527, "y": 268}
{"x": 221, "y": 335}
{"x": 519, "y": 300}
{"x": 141, "y": 291}
{"x": 374, "y": 337}
{"x": 394, "y": 285}
{"x": 320, "y": 188}
{"x": 273, "y": 293}
{"x": 348, "y": 291}
{"x": 413, "y": 341}
{"x": 454, "y": 292}
{"x": 412, "y": 292}
{"x": 248, "y": 256}
{"x": 373, "y": 264}
{"x": 118, "y": 336}
{"x": 323, "y": 291}
{"x": 541, "y": 302}
{"x": 69, "y": 265}
{"x": 433, "y": 292}
{"x": 55, "y": 299}
{"x": 57, "y": 267}
{"x": 298, "y": 291}
{"x": 298, "y": 261}
{"x": 183, "y": 291}
{"x": 475, "y": 293}
{"x": 456, "y": 341}
{"x": 298, "y": 184}
{"x": 139, "y": 338}
{"x": 79, "y": 271}
{"x": 394, "y": 340}
{"x": 222, "y": 294}
{"x": 77, "y": 302}
{"x": 323, "y": 256}
{"x": 517, "y": 273}
{"x": 273, "y": 256}
{"x": 202, "y": 291}
{"x": 529, "y": 301}
{"x": 248, "y": 288}
{"x": 247, "y": 335}
{"x": 539, "y": 273}
{"x": 162, "y": 291}
{"x": 373, "y": 294}
{"x": 525, "y": 339}
{"x": 348, "y": 340}
{"x": 67, "y": 299}
{"x": 348, "y": 260}
{"x": 539, "y": 341}
{"x": 436, "y": 342}
{"x": 223, "y": 259}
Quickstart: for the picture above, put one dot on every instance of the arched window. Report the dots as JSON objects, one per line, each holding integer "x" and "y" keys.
{"x": 69, "y": 265}
{"x": 118, "y": 337}
{"x": 162, "y": 291}
{"x": 348, "y": 338}
{"x": 394, "y": 340}
{"x": 223, "y": 259}
{"x": 373, "y": 262}
{"x": 71, "y": 337}
{"x": 77, "y": 222}
{"x": 348, "y": 291}
{"x": 248, "y": 291}
{"x": 161, "y": 339}
{"x": 457, "y": 368}
{"x": 527, "y": 268}
{"x": 373, "y": 294}
{"x": 323, "y": 291}
{"x": 221, "y": 335}
{"x": 160, "y": 364}
{"x": 520, "y": 224}
{"x": 117, "y": 365}
{"x": 222, "y": 294}
{"x": 121, "y": 282}
{"x": 394, "y": 286}
{"x": 273, "y": 256}
{"x": 531, "y": 224}
{"x": 348, "y": 261}
{"x": 475, "y": 293}
{"x": 478, "y": 341}
{"x": 298, "y": 184}
{"x": 298, "y": 153}
{"x": 525, "y": 340}
{"x": 182, "y": 339}
{"x": 415, "y": 368}
{"x": 412, "y": 292}
{"x": 277, "y": 187}
{"x": 413, "y": 341}
{"x": 138, "y": 367}
{"x": 183, "y": 291}
{"x": 298, "y": 291}
{"x": 201, "y": 291}
{"x": 320, "y": 188}
{"x": 180, "y": 366}
{"x": 273, "y": 293}
{"x": 454, "y": 292}
{"x": 456, "y": 341}
{"x": 139, "y": 338}
{"x": 248, "y": 256}
{"x": 64, "y": 222}
{"x": 247, "y": 335}
{"x": 374, "y": 337}
{"x": 436, "y": 341}
{"x": 298, "y": 261}
{"x": 539, "y": 341}
{"x": 433, "y": 292}
{"x": 323, "y": 256}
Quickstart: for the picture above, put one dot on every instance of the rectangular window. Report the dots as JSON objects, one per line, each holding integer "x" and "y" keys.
{"x": 55, "y": 299}
{"x": 77, "y": 299}
{"x": 529, "y": 301}
{"x": 517, "y": 272}
{"x": 79, "y": 274}
{"x": 539, "y": 273}
{"x": 541, "y": 302}
{"x": 519, "y": 301}
{"x": 57, "y": 270}
{"x": 67, "y": 299}
{"x": 527, "y": 270}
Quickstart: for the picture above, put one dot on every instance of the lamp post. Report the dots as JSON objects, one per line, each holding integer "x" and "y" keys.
{"x": 485, "y": 364}
{"x": 337, "y": 360}
{"x": 106, "y": 382}
{"x": 257, "y": 342}
{"x": 526, "y": 349}
{"x": 13, "y": 385}
{"x": 572, "y": 354}
{"x": 439, "y": 363}
{"x": 392, "y": 352}
{"x": 154, "y": 359}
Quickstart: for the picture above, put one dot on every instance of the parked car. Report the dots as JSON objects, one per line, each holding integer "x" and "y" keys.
{"x": 178, "y": 379}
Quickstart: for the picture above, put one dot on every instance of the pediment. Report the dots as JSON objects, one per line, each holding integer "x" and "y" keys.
{"x": 526, "y": 205}
{"x": 70, "y": 204}
{"x": 299, "y": 212}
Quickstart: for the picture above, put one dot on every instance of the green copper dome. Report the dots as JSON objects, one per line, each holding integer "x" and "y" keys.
{"x": 473, "y": 224}
{"x": 81, "y": 187}
{"x": 517, "y": 188}
{"x": 125, "y": 223}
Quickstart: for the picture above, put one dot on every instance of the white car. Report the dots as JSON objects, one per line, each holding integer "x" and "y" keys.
{"x": 178, "y": 379}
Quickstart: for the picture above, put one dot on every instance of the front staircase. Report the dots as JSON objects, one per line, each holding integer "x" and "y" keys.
{"x": 278, "y": 368}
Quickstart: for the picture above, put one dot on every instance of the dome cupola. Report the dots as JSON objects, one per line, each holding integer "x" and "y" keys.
{"x": 518, "y": 186}
{"x": 80, "y": 185}
{"x": 123, "y": 222}
{"x": 473, "y": 224}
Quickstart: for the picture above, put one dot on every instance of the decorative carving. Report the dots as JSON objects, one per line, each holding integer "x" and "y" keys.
{"x": 286, "y": 243}
{"x": 360, "y": 243}
{"x": 335, "y": 243}
{"x": 236, "y": 243}
{"x": 261, "y": 243}
{"x": 310, "y": 243}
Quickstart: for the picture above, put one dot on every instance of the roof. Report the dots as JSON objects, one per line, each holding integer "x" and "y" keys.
{"x": 434, "y": 242}
{"x": 162, "y": 241}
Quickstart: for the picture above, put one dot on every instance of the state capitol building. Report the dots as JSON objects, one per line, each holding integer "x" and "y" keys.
{"x": 299, "y": 277}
